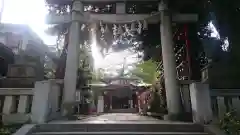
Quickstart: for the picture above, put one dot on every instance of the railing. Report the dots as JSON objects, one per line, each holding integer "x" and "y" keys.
{"x": 15, "y": 104}
{"x": 38, "y": 104}
{"x": 225, "y": 100}
{"x": 221, "y": 100}
{"x": 42, "y": 103}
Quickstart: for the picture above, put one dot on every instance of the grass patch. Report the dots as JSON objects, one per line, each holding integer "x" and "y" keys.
{"x": 9, "y": 129}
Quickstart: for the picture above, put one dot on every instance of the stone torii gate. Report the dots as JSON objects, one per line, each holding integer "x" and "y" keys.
{"x": 77, "y": 16}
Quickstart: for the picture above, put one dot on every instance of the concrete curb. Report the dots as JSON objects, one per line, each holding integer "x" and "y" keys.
{"x": 88, "y": 116}
{"x": 154, "y": 114}
{"x": 213, "y": 129}
{"x": 24, "y": 130}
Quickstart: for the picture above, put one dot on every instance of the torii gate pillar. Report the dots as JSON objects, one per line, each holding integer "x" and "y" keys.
{"x": 169, "y": 64}
{"x": 72, "y": 63}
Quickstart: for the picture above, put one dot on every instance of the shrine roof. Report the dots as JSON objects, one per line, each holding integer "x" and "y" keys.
{"x": 120, "y": 78}
{"x": 116, "y": 86}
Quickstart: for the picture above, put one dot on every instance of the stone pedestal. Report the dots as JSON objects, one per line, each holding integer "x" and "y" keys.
{"x": 45, "y": 101}
{"x": 100, "y": 104}
{"x": 169, "y": 64}
{"x": 130, "y": 102}
{"x": 23, "y": 104}
{"x": 221, "y": 107}
{"x": 201, "y": 103}
{"x": 110, "y": 102}
{"x": 40, "y": 105}
{"x": 235, "y": 103}
{"x": 186, "y": 98}
{"x": 8, "y": 104}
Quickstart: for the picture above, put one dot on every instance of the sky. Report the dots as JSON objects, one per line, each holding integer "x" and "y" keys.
{"x": 31, "y": 12}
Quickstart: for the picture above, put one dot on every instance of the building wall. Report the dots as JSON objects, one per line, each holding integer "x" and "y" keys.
{"x": 22, "y": 36}
{"x": 23, "y": 41}
{"x": 6, "y": 57}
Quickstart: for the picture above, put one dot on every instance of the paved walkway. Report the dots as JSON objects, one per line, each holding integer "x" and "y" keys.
{"x": 118, "y": 118}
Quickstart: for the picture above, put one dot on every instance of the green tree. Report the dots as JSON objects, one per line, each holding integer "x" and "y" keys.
{"x": 147, "y": 71}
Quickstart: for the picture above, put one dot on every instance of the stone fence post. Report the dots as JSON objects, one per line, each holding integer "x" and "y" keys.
{"x": 45, "y": 105}
{"x": 201, "y": 103}
{"x": 100, "y": 104}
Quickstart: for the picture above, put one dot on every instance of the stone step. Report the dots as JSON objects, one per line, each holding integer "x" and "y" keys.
{"x": 120, "y": 133}
{"x": 113, "y": 127}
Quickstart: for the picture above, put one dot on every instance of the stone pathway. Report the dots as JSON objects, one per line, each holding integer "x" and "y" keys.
{"x": 119, "y": 124}
{"x": 117, "y": 118}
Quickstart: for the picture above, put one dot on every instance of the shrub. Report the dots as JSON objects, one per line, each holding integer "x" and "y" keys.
{"x": 230, "y": 123}
{"x": 155, "y": 105}
{"x": 9, "y": 129}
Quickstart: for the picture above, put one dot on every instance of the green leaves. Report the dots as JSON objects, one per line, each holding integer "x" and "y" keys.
{"x": 147, "y": 71}
{"x": 230, "y": 123}
{"x": 9, "y": 129}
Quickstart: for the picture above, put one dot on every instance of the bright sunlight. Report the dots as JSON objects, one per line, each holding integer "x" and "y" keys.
{"x": 30, "y": 12}
{"x": 33, "y": 12}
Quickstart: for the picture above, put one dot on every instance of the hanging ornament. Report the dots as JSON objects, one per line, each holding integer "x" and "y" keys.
{"x": 94, "y": 27}
{"x": 108, "y": 35}
{"x": 133, "y": 27}
{"x": 120, "y": 30}
{"x": 114, "y": 29}
{"x": 83, "y": 26}
{"x": 101, "y": 24}
{"x": 107, "y": 29}
{"x": 145, "y": 25}
{"x": 102, "y": 29}
{"x": 126, "y": 28}
{"x": 115, "y": 37}
{"x": 139, "y": 27}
